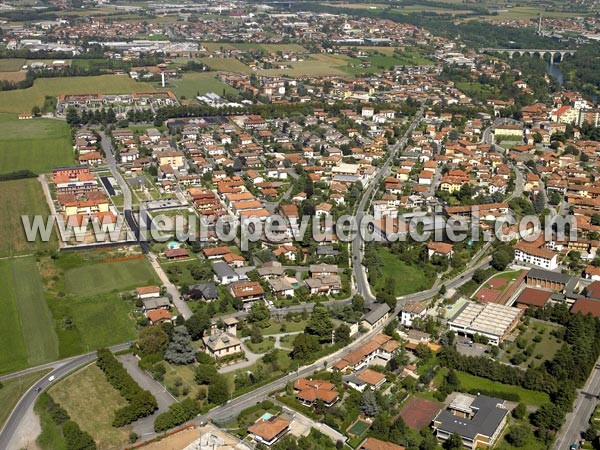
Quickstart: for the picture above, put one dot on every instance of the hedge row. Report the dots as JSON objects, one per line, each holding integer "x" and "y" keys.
{"x": 141, "y": 402}
{"x": 510, "y": 396}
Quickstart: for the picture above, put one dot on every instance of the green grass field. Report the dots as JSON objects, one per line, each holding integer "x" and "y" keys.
{"x": 409, "y": 279}
{"x": 86, "y": 324}
{"x": 22, "y": 100}
{"x": 36, "y": 144}
{"x": 11, "y": 64}
{"x": 194, "y": 83}
{"x": 26, "y": 326}
{"x": 533, "y": 398}
{"x": 85, "y": 320}
{"x": 92, "y": 401}
{"x": 14, "y": 353}
{"x": 14, "y": 389}
{"x": 313, "y": 65}
{"x": 226, "y": 64}
{"x": 100, "y": 278}
{"x": 214, "y": 46}
{"x": 380, "y": 62}
{"x": 21, "y": 197}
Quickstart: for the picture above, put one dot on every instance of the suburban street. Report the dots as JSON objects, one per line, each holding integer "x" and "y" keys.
{"x": 576, "y": 421}
{"x": 360, "y": 275}
{"x": 172, "y": 290}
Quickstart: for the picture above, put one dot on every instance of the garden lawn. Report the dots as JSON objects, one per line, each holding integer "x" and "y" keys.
{"x": 533, "y": 398}
{"x": 14, "y": 389}
{"x": 108, "y": 277}
{"x": 23, "y": 100}
{"x": 91, "y": 401}
{"x": 409, "y": 279}
{"x": 37, "y": 145}
{"x": 265, "y": 346}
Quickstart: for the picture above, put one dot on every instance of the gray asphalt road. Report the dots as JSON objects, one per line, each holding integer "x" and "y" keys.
{"x": 62, "y": 369}
{"x": 576, "y": 421}
{"x": 145, "y": 426}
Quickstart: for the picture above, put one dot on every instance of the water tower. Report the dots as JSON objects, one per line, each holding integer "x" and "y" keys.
{"x": 162, "y": 68}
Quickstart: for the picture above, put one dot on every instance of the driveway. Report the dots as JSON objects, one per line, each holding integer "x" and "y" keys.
{"x": 145, "y": 426}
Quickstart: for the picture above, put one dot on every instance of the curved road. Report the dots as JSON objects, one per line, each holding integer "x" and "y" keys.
{"x": 60, "y": 369}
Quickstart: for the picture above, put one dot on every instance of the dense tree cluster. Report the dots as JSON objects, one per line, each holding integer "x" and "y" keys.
{"x": 141, "y": 403}
{"x": 177, "y": 414}
{"x": 76, "y": 438}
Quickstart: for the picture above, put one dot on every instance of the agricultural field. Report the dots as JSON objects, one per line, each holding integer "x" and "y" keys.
{"x": 100, "y": 278}
{"x": 13, "y": 77}
{"x": 87, "y": 320}
{"x": 23, "y": 100}
{"x": 13, "y": 389}
{"x": 87, "y": 396}
{"x": 26, "y": 325}
{"x": 532, "y": 12}
{"x": 35, "y": 144}
{"x": 22, "y": 197}
{"x": 214, "y": 46}
{"x": 11, "y": 64}
{"x": 226, "y": 64}
{"x": 194, "y": 83}
{"x": 313, "y": 65}
{"x": 385, "y": 62}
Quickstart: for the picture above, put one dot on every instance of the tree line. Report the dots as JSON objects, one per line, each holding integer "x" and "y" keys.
{"x": 141, "y": 402}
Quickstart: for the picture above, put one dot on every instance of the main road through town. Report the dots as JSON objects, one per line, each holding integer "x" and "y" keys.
{"x": 360, "y": 275}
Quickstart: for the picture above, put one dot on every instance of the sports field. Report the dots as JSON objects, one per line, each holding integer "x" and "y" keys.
{"x": 100, "y": 278}
{"x": 88, "y": 396}
{"x": 21, "y": 197}
{"x": 26, "y": 325}
{"x": 22, "y": 100}
{"x": 38, "y": 145}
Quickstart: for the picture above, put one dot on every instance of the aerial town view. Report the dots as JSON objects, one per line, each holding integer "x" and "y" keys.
{"x": 299, "y": 225}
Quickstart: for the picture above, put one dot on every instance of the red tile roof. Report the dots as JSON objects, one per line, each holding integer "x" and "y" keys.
{"x": 534, "y": 297}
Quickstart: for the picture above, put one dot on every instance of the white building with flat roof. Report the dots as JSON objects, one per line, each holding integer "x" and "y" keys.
{"x": 491, "y": 320}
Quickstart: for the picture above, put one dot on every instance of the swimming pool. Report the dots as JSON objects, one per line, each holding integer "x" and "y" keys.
{"x": 173, "y": 245}
{"x": 266, "y": 416}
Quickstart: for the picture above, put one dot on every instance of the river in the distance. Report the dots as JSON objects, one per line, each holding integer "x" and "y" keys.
{"x": 554, "y": 71}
